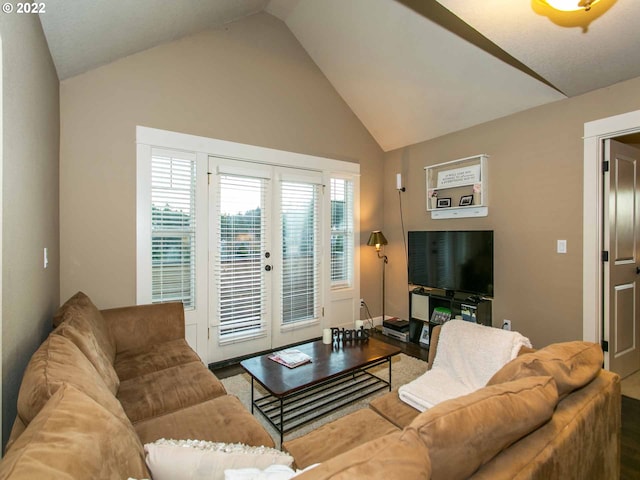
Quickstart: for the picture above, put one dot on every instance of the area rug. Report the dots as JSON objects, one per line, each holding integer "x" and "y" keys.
{"x": 631, "y": 386}
{"x": 403, "y": 369}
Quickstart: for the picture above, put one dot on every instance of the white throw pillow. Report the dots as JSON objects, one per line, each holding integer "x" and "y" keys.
{"x": 274, "y": 472}
{"x": 202, "y": 460}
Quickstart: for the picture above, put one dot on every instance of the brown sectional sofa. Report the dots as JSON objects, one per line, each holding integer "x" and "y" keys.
{"x": 104, "y": 383}
{"x": 548, "y": 414}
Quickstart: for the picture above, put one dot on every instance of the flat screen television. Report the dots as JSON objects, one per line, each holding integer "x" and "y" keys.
{"x": 455, "y": 261}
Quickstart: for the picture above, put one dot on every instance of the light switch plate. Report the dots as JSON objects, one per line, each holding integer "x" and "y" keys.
{"x": 562, "y": 246}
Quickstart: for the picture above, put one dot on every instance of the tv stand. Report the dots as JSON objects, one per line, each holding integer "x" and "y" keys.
{"x": 423, "y": 302}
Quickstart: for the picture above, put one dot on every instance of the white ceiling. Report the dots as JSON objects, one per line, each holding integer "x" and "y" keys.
{"x": 84, "y": 34}
{"x": 576, "y": 52}
{"x": 411, "y": 70}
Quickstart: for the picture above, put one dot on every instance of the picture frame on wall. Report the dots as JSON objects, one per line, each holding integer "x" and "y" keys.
{"x": 466, "y": 200}
{"x": 443, "y": 203}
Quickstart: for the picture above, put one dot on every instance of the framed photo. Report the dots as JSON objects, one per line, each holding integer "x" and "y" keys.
{"x": 466, "y": 200}
{"x": 424, "y": 335}
{"x": 443, "y": 203}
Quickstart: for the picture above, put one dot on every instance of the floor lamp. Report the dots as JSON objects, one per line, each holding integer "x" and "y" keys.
{"x": 377, "y": 239}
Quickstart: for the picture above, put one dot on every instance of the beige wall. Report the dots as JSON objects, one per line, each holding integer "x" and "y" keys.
{"x": 249, "y": 82}
{"x": 535, "y": 179}
{"x": 30, "y": 137}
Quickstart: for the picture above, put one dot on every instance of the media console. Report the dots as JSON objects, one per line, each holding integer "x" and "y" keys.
{"x": 423, "y": 303}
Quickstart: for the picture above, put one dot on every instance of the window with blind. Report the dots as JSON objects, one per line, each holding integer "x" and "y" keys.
{"x": 299, "y": 221}
{"x": 173, "y": 229}
{"x": 258, "y": 244}
{"x": 238, "y": 259}
{"x": 341, "y": 233}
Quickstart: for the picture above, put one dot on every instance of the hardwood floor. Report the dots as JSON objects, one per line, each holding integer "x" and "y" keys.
{"x": 630, "y": 439}
{"x": 630, "y": 435}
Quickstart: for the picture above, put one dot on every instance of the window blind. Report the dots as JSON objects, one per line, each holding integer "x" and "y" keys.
{"x": 173, "y": 227}
{"x": 341, "y": 233}
{"x": 299, "y": 221}
{"x": 238, "y": 260}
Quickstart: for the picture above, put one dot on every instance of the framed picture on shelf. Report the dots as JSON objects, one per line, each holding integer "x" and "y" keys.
{"x": 444, "y": 203}
{"x": 466, "y": 200}
{"x": 424, "y": 335}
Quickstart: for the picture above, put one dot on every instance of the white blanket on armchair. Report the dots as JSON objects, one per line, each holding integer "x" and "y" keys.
{"x": 468, "y": 355}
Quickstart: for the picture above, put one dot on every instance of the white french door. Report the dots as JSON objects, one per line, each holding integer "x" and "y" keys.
{"x": 260, "y": 256}
{"x": 265, "y": 257}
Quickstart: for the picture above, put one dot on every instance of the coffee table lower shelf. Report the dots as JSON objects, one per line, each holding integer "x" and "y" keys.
{"x": 293, "y": 410}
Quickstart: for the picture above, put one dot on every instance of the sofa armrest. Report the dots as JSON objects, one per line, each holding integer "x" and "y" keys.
{"x": 143, "y": 325}
{"x": 433, "y": 345}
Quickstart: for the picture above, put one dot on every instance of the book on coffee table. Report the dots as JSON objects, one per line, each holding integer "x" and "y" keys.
{"x": 290, "y": 358}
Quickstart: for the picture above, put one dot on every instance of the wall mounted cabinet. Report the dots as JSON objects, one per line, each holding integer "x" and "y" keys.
{"x": 458, "y": 189}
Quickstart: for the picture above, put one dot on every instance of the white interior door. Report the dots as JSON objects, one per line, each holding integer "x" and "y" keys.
{"x": 265, "y": 250}
{"x": 621, "y": 271}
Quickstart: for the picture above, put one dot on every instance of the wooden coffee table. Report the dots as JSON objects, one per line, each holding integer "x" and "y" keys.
{"x": 334, "y": 378}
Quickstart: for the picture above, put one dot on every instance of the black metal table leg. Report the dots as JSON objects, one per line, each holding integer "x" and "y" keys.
{"x": 252, "y": 395}
{"x": 281, "y": 421}
{"x": 389, "y": 360}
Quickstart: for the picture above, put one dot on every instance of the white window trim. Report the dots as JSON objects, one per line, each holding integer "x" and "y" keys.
{"x": 238, "y": 151}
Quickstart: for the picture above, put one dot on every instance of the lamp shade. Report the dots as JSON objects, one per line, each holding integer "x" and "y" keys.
{"x": 376, "y": 239}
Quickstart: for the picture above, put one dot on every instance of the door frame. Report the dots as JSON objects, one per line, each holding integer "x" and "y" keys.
{"x": 595, "y": 132}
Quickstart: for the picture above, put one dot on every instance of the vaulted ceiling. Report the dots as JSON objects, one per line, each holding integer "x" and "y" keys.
{"x": 411, "y": 70}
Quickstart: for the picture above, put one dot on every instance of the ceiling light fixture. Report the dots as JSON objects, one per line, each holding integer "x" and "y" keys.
{"x": 570, "y": 5}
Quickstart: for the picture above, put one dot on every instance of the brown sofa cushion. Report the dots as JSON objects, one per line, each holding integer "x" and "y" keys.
{"x": 400, "y": 455}
{"x": 571, "y": 364}
{"x": 223, "y": 419}
{"x": 81, "y": 305}
{"x": 74, "y": 437}
{"x": 143, "y": 325}
{"x": 140, "y": 361}
{"x": 338, "y": 436}
{"x": 16, "y": 430}
{"x": 78, "y": 330}
{"x": 464, "y": 433}
{"x": 581, "y": 441}
{"x": 393, "y": 409}
{"x": 56, "y": 362}
{"x": 168, "y": 390}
